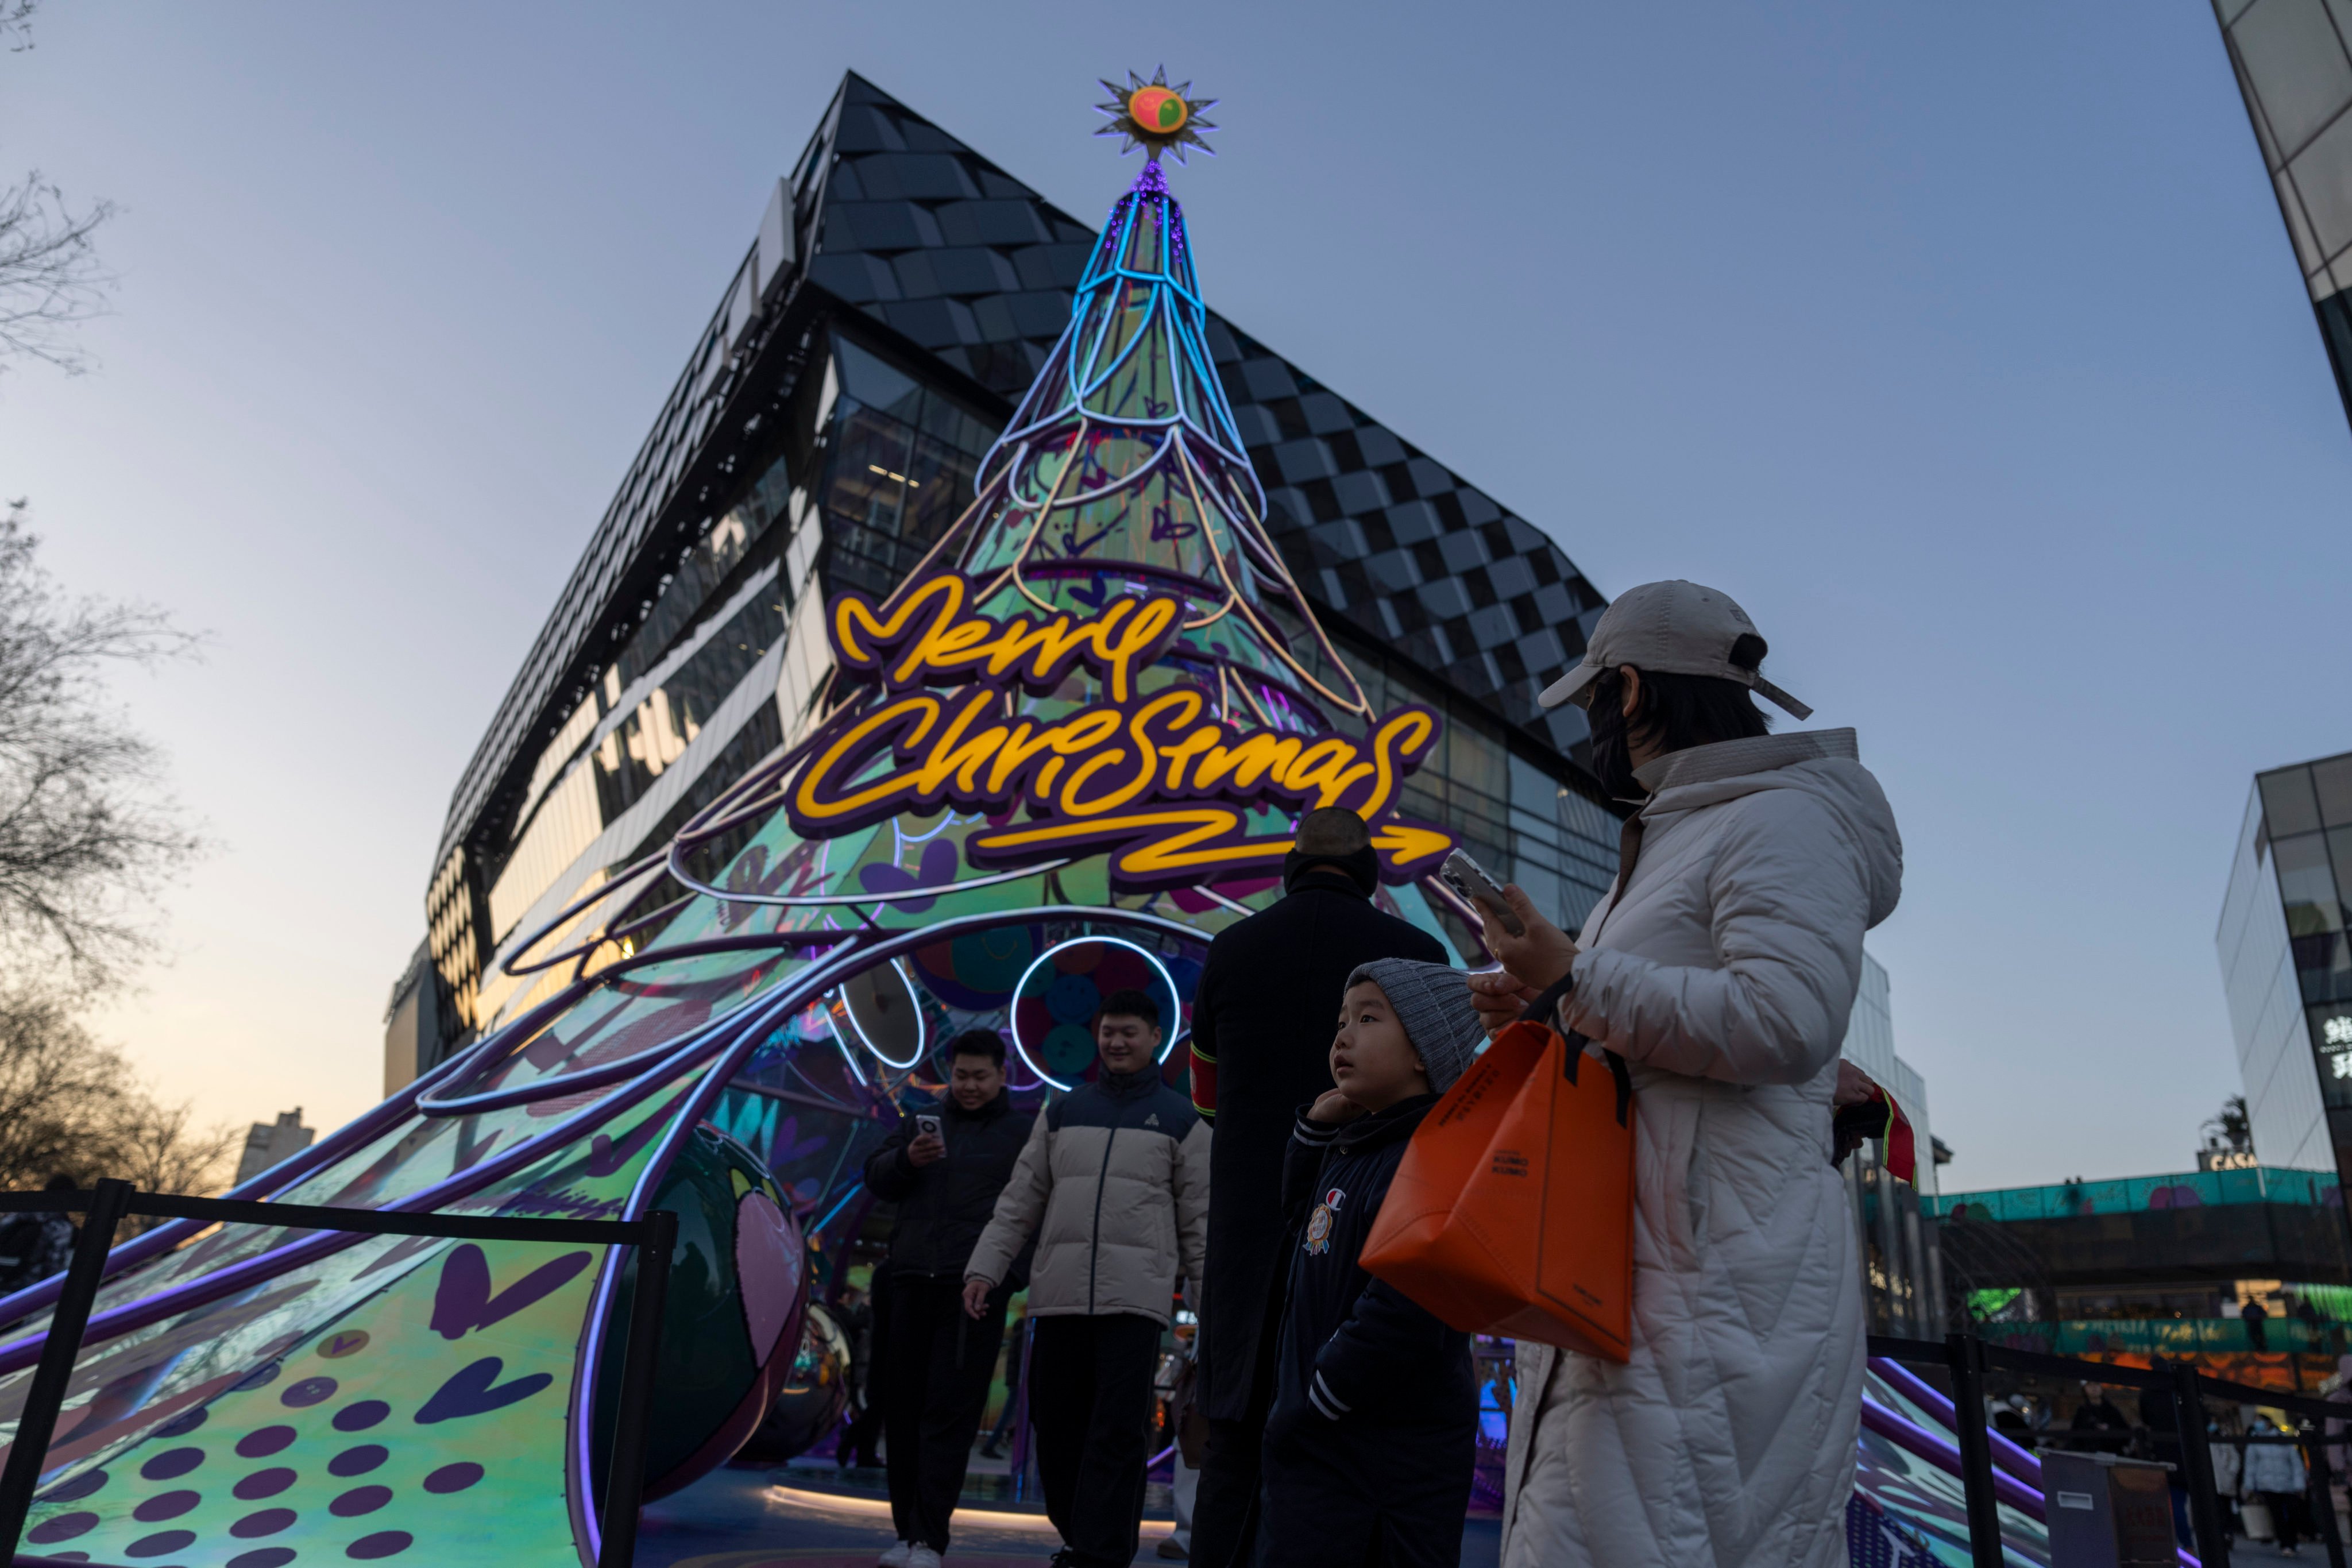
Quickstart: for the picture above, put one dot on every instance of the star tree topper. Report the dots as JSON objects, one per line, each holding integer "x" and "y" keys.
{"x": 1156, "y": 117}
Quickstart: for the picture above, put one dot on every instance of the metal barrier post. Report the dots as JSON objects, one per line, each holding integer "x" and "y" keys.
{"x": 2320, "y": 1491}
{"x": 2197, "y": 1469}
{"x": 1965, "y": 1355}
{"x": 107, "y": 1201}
{"x": 624, "y": 1482}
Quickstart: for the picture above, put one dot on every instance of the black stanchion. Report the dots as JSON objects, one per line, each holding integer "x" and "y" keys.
{"x": 108, "y": 1203}
{"x": 2197, "y": 1469}
{"x": 1964, "y": 1353}
{"x": 625, "y": 1481}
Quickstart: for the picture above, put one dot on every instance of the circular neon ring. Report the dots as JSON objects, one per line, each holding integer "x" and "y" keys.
{"x": 1012, "y": 1014}
{"x": 921, "y": 1050}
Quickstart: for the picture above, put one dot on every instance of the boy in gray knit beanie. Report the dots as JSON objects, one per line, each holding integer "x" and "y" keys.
{"x": 1372, "y": 1441}
{"x": 1432, "y": 1001}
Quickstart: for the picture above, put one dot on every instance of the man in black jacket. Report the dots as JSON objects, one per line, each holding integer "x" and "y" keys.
{"x": 941, "y": 1361}
{"x": 1261, "y": 1025}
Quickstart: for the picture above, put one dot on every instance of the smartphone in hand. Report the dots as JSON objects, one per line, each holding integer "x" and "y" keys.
{"x": 926, "y": 1125}
{"x": 1469, "y": 878}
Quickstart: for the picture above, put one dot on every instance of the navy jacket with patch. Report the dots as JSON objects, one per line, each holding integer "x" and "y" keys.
{"x": 1353, "y": 1348}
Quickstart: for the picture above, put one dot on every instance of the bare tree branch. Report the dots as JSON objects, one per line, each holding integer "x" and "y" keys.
{"x": 87, "y": 834}
{"x": 51, "y": 280}
{"x": 71, "y": 1105}
{"x": 16, "y": 24}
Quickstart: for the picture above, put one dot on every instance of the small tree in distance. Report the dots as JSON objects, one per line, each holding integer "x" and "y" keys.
{"x": 2229, "y": 1129}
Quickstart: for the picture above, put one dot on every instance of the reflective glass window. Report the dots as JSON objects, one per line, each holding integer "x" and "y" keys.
{"x": 2288, "y": 805}
{"x": 2332, "y": 784}
{"x": 2306, "y": 884}
{"x": 2299, "y": 68}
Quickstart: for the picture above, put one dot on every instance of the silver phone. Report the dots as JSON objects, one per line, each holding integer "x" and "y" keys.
{"x": 926, "y": 1125}
{"x": 1469, "y": 878}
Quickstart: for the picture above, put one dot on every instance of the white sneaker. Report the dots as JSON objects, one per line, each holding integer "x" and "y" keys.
{"x": 900, "y": 1555}
{"x": 922, "y": 1556}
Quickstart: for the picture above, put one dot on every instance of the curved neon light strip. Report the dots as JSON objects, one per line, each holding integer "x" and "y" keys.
{"x": 902, "y": 896}
{"x": 1013, "y": 1014}
{"x": 867, "y": 1041}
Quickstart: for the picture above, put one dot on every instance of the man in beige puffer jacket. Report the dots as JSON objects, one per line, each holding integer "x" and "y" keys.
{"x": 1114, "y": 1183}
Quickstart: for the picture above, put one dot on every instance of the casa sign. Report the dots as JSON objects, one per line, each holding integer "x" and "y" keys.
{"x": 1160, "y": 782}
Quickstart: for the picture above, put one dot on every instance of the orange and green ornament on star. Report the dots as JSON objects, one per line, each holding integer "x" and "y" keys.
{"x": 1156, "y": 117}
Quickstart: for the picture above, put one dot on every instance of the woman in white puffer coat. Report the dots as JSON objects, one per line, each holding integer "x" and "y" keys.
{"x": 1722, "y": 966}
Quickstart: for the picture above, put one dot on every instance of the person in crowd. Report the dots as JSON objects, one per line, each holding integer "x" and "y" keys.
{"x": 2098, "y": 1413}
{"x": 862, "y": 1421}
{"x": 1261, "y": 1028}
{"x": 2273, "y": 1475}
{"x": 1372, "y": 1441}
{"x": 1113, "y": 1186}
{"x": 2256, "y": 1317}
{"x": 33, "y": 1246}
{"x": 1722, "y": 966}
{"x": 1015, "y": 1341}
{"x": 2160, "y": 1419}
{"x": 2228, "y": 1459}
{"x": 2098, "y": 1424}
{"x": 945, "y": 1184}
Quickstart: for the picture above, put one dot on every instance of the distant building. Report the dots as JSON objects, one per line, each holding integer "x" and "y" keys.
{"x": 2160, "y": 1264}
{"x": 270, "y": 1142}
{"x": 2285, "y": 965}
{"x": 1902, "y": 1283}
{"x": 2293, "y": 64}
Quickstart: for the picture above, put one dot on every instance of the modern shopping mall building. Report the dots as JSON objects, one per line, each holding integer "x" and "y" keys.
{"x": 900, "y": 297}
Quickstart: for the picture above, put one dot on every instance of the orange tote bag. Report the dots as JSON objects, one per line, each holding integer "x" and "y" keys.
{"x": 1512, "y": 1212}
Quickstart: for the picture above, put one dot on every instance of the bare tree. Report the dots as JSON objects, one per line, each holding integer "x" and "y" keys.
{"x": 71, "y": 1105}
{"x": 86, "y": 833}
{"x": 51, "y": 280}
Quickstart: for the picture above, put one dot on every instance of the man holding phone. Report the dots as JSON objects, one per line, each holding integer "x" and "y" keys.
{"x": 944, "y": 1168}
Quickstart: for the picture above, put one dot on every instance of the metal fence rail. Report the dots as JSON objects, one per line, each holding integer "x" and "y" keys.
{"x": 1967, "y": 1359}
{"x": 107, "y": 1205}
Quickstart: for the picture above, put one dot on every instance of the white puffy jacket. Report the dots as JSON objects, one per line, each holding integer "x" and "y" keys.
{"x": 1722, "y": 973}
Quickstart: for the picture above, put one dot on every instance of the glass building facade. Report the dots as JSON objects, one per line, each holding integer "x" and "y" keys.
{"x": 2293, "y": 65}
{"x": 2286, "y": 965}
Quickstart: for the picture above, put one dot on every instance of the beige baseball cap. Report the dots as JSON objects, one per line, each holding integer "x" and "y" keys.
{"x": 1675, "y": 629}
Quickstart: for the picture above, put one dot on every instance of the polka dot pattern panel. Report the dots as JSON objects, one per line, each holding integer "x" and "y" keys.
{"x": 428, "y": 1422}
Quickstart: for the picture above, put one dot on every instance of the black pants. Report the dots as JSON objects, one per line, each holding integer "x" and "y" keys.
{"x": 1342, "y": 1495}
{"x": 1223, "y": 1516}
{"x": 942, "y": 1362}
{"x": 1090, "y": 1401}
{"x": 2286, "y": 1517}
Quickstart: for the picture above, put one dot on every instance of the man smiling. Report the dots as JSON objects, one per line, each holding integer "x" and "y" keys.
{"x": 1114, "y": 1183}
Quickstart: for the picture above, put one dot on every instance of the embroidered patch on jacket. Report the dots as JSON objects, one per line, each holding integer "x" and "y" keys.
{"x": 1318, "y": 1224}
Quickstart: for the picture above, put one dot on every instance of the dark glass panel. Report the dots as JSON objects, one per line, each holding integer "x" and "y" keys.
{"x": 2288, "y": 804}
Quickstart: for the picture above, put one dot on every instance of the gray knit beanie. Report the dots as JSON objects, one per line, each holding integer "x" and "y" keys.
{"x": 1433, "y": 1001}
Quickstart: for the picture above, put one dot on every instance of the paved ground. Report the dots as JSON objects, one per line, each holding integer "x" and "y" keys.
{"x": 758, "y": 1518}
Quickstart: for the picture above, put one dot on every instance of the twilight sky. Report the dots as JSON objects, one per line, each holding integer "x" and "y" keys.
{"x": 1963, "y": 345}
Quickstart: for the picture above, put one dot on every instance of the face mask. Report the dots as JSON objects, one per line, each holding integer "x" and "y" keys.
{"x": 1612, "y": 762}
